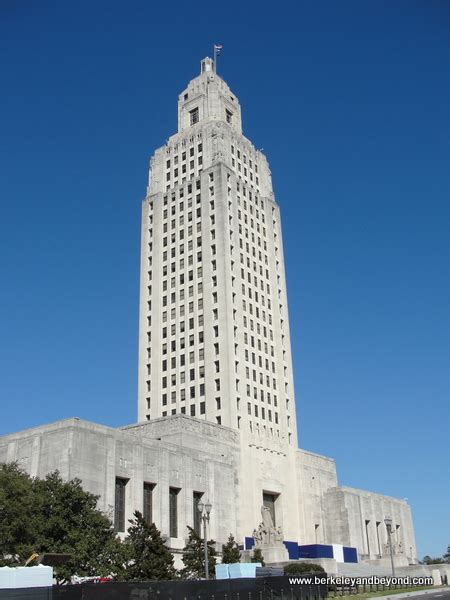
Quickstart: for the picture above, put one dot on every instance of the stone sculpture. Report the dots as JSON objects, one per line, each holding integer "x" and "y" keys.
{"x": 269, "y": 539}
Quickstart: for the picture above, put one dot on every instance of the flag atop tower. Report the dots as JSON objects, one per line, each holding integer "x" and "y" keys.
{"x": 217, "y": 50}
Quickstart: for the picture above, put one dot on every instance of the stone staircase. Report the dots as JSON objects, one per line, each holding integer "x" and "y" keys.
{"x": 361, "y": 569}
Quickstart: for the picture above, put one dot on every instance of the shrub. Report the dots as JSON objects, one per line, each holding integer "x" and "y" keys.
{"x": 297, "y": 568}
{"x": 257, "y": 557}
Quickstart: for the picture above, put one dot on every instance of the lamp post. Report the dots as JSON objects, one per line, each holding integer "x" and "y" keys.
{"x": 388, "y": 523}
{"x": 204, "y": 510}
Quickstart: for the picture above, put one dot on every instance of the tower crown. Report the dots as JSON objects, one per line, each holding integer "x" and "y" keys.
{"x": 207, "y": 65}
{"x": 208, "y": 98}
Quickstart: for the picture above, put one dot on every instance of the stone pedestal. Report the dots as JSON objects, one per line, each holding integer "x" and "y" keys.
{"x": 436, "y": 575}
{"x": 274, "y": 554}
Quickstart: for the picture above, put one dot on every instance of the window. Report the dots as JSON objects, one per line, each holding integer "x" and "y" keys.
{"x": 196, "y": 521}
{"x": 119, "y": 505}
{"x": 378, "y": 523}
{"x": 229, "y": 114}
{"x": 269, "y": 502}
{"x": 193, "y": 114}
{"x": 367, "y": 536}
{"x": 173, "y": 512}
{"x": 148, "y": 502}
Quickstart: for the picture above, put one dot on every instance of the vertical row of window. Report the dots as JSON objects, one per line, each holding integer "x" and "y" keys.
{"x": 245, "y": 167}
{"x": 147, "y": 511}
{"x": 119, "y": 504}
{"x": 258, "y": 299}
{"x": 173, "y": 511}
{"x": 214, "y": 294}
{"x": 182, "y": 338}
{"x": 283, "y": 317}
{"x": 148, "y": 383}
{"x": 258, "y": 334}
{"x": 147, "y": 507}
{"x": 384, "y": 535}
{"x": 184, "y": 160}
{"x": 182, "y": 334}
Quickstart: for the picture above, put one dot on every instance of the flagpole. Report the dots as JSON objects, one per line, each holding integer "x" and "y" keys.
{"x": 217, "y": 50}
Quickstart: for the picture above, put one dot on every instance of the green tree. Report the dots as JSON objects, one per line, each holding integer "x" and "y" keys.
{"x": 257, "y": 557}
{"x": 297, "y": 568}
{"x": 17, "y": 510}
{"x": 194, "y": 557}
{"x": 59, "y": 517}
{"x": 68, "y": 521}
{"x": 148, "y": 558}
{"x": 230, "y": 551}
{"x": 429, "y": 560}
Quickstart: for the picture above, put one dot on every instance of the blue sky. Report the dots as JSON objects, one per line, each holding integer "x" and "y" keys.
{"x": 350, "y": 101}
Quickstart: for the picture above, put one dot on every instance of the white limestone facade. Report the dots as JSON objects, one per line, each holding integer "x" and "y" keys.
{"x": 214, "y": 331}
{"x": 357, "y": 518}
{"x": 178, "y": 454}
{"x": 195, "y": 458}
{"x": 216, "y": 403}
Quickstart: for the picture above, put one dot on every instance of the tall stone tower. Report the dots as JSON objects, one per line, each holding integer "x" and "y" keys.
{"x": 214, "y": 331}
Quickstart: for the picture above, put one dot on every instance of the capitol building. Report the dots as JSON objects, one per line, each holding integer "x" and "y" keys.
{"x": 216, "y": 402}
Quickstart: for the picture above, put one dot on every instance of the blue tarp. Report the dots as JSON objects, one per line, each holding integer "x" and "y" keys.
{"x": 350, "y": 555}
{"x": 249, "y": 542}
{"x": 315, "y": 551}
{"x": 292, "y": 548}
{"x": 297, "y": 551}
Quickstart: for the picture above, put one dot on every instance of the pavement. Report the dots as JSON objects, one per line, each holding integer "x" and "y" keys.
{"x": 439, "y": 593}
